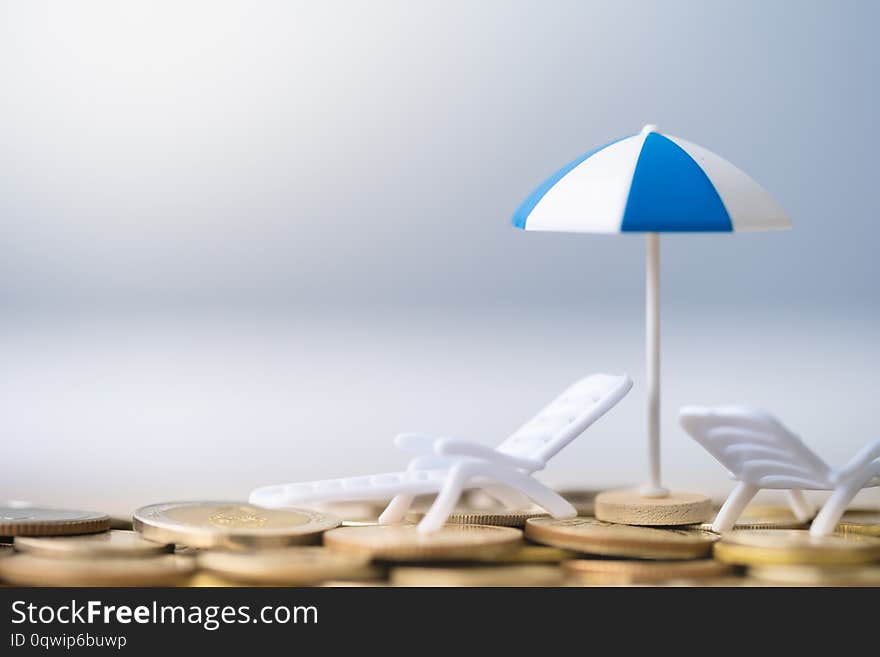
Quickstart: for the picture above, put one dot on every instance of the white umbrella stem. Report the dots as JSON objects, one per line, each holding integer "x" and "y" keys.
{"x": 652, "y": 352}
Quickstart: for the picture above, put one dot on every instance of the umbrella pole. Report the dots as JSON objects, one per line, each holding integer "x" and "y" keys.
{"x": 652, "y": 353}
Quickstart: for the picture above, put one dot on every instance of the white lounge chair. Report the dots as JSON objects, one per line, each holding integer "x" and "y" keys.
{"x": 448, "y": 467}
{"x": 761, "y": 453}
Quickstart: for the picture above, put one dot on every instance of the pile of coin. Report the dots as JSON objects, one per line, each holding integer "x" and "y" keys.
{"x": 223, "y": 543}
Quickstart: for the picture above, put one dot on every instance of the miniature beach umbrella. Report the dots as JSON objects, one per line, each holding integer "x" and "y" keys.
{"x": 650, "y": 183}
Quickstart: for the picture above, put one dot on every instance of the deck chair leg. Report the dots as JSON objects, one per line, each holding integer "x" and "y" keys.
{"x": 826, "y": 520}
{"x": 396, "y": 509}
{"x": 734, "y": 506}
{"x": 801, "y": 508}
{"x": 446, "y": 499}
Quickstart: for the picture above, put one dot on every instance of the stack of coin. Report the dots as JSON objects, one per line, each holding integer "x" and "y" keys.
{"x": 865, "y": 575}
{"x": 795, "y": 558}
{"x": 27, "y": 570}
{"x": 18, "y": 520}
{"x": 497, "y": 515}
{"x": 591, "y": 536}
{"x": 860, "y": 521}
{"x": 111, "y": 558}
{"x": 534, "y": 553}
{"x": 237, "y": 543}
{"x": 756, "y": 516}
{"x": 403, "y": 542}
{"x": 116, "y": 543}
{"x": 290, "y": 566}
{"x": 481, "y": 576}
{"x": 230, "y": 525}
{"x": 636, "y": 571}
{"x": 767, "y": 547}
{"x": 478, "y": 508}
{"x": 233, "y": 543}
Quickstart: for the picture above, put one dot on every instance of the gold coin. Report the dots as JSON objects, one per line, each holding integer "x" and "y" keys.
{"x": 860, "y": 521}
{"x": 499, "y": 517}
{"x": 596, "y": 537}
{"x": 208, "y": 580}
{"x": 582, "y": 499}
{"x": 724, "y": 582}
{"x": 348, "y": 584}
{"x": 230, "y": 524}
{"x": 536, "y": 554}
{"x": 404, "y": 543}
{"x": 764, "y": 517}
{"x": 818, "y": 575}
{"x": 483, "y": 576}
{"x": 626, "y": 570}
{"x": 762, "y": 547}
{"x": 291, "y": 566}
{"x": 114, "y": 543}
{"x": 30, "y": 570}
{"x": 39, "y": 521}
{"x": 762, "y": 511}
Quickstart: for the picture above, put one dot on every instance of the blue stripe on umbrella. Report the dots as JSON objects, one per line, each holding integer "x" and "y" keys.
{"x": 670, "y": 192}
{"x": 524, "y": 210}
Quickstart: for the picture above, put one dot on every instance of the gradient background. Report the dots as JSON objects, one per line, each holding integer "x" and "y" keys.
{"x": 246, "y": 243}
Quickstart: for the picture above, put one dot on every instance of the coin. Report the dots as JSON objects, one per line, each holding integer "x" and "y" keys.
{"x": 499, "y": 517}
{"x": 114, "y": 543}
{"x": 30, "y": 570}
{"x": 291, "y": 566}
{"x": 760, "y": 547}
{"x": 860, "y": 521}
{"x": 230, "y": 524}
{"x": 348, "y": 584}
{"x": 596, "y": 537}
{"x": 818, "y": 576}
{"x": 483, "y": 576}
{"x": 208, "y": 580}
{"x": 39, "y": 521}
{"x": 535, "y": 554}
{"x": 405, "y": 543}
{"x": 764, "y": 517}
{"x": 724, "y": 582}
{"x": 626, "y": 570}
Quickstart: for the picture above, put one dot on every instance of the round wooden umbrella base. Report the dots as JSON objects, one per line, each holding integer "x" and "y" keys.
{"x": 630, "y": 507}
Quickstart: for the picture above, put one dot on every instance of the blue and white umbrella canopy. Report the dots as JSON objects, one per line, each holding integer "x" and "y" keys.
{"x": 650, "y": 182}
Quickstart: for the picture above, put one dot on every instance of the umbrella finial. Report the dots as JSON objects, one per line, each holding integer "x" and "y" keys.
{"x": 650, "y": 128}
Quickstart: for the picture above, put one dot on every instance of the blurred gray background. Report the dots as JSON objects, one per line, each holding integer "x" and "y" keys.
{"x": 246, "y": 243}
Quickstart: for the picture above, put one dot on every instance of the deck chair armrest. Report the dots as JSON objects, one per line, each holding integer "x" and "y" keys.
{"x": 417, "y": 443}
{"x": 860, "y": 461}
{"x": 457, "y": 447}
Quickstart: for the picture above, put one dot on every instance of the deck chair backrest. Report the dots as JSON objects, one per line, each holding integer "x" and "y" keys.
{"x": 740, "y": 437}
{"x": 567, "y": 416}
